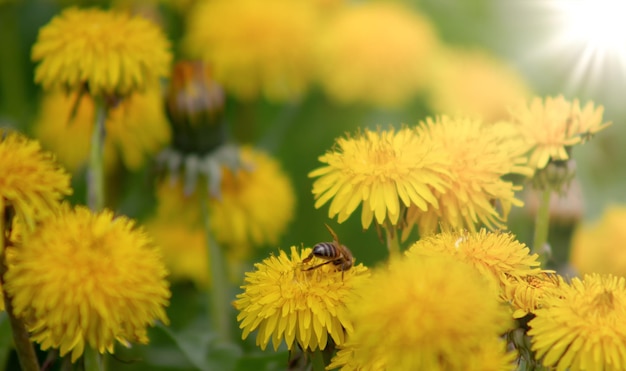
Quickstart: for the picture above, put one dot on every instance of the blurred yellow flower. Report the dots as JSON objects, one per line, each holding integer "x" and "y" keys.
{"x": 255, "y": 47}
{"x": 84, "y": 279}
{"x": 385, "y": 171}
{"x": 31, "y": 182}
{"x": 245, "y": 215}
{"x": 498, "y": 256}
{"x": 111, "y": 53}
{"x": 426, "y": 313}
{"x": 552, "y": 126}
{"x": 257, "y": 202}
{"x": 184, "y": 250}
{"x": 475, "y": 84}
{"x": 136, "y": 129}
{"x": 286, "y": 302}
{"x": 600, "y": 247}
{"x": 375, "y": 52}
{"x": 584, "y": 326}
{"x": 480, "y": 155}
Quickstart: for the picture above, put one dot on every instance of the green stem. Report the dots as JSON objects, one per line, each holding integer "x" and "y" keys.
{"x": 12, "y": 73}
{"x": 393, "y": 242}
{"x": 542, "y": 227}
{"x": 218, "y": 293}
{"x": 317, "y": 360}
{"x": 23, "y": 346}
{"x": 93, "y": 360}
{"x": 95, "y": 173}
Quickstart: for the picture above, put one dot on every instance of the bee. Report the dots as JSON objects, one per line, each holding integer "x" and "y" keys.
{"x": 333, "y": 252}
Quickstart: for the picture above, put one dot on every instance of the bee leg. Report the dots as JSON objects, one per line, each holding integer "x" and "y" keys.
{"x": 317, "y": 266}
{"x": 308, "y": 258}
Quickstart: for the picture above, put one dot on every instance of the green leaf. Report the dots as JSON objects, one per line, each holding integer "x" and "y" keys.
{"x": 200, "y": 345}
{"x": 6, "y": 340}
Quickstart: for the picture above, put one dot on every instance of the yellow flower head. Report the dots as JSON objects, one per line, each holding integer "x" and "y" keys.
{"x": 136, "y": 128}
{"x": 584, "y": 327}
{"x": 475, "y": 84}
{"x": 375, "y": 52}
{"x": 283, "y": 300}
{"x": 385, "y": 171}
{"x": 85, "y": 279}
{"x": 551, "y": 126}
{"x": 528, "y": 293}
{"x": 184, "y": 249}
{"x": 257, "y": 202}
{"x": 599, "y": 247}
{"x": 498, "y": 256}
{"x": 255, "y": 47}
{"x": 31, "y": 182}
{"x": 479, "y": 156}
{"x": 425, "y": 313}
{"x": 112, "y": 53}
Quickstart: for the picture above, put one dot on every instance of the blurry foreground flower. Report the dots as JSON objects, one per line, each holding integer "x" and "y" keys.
{"x": 600, "y": 247}
{"x": 111, "y": 53}
{"x": 136, "y": 129}
{"x": 257, "y": 48}
{"x": 399, "y": 322}
{"x": 384, "y": 171}
{"x": 584, "y": 328}
{"x": 85, "y": 279}
{"x": 31, "y": 182}
{"x": 285, "y": 302}
{"x": 375, "y": 52}
{"x": 552, "y": 126}
{"x": 475, "y": 84}
{"x": 480, "y": 155}
{"x": 498, "y": 256}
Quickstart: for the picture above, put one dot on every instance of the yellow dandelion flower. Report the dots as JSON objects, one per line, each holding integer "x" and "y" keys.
{"x": 112, "y": 53}
{"x": 255, "y": 47}
{"x": 85, "y": 279}
{"x": 184, "y": 250}
{"x": 385, "y": 171}
{"x": 375, "y": 52}
{"x": 245, "y": 215}
{"x": 527, "y": 294}
{"x": 31, "y": 182}
{"x": 498, "y": 256}
{"x": 425, "y": 313}
{"x": 599, "y": 247}
{"x": 136, "y": 129}
{"x": 257, "y": 202}
{"x": 489, "y": 355}
{"x": 480, "y": 155}
{"x": 553, "y": 125}
{"x": 286, "y": 302}
{"x": 476, "y": 84}
{"x": 584, "y": 327}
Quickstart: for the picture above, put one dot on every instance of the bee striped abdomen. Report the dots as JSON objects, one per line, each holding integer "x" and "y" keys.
{"x": 325, "y": 250}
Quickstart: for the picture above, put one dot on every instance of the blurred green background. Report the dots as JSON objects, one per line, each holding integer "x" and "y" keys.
{"x": 525, "y": 34}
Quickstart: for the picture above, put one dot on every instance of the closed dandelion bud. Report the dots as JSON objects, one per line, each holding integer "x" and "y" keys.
{"x": 195, "y": 107}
